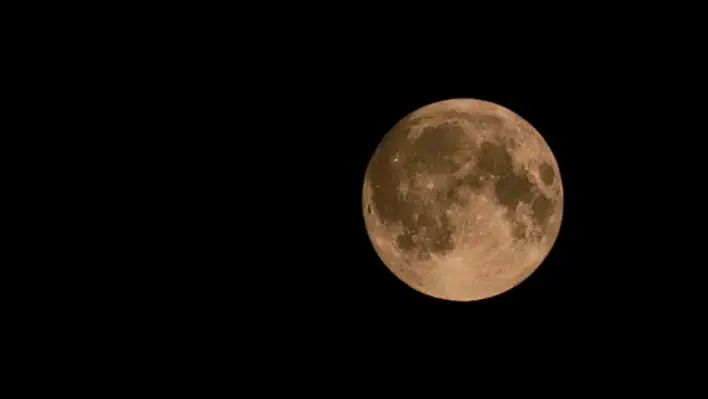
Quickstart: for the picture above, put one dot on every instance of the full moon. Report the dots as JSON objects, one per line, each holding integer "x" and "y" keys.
{"x": 462, "y": 199}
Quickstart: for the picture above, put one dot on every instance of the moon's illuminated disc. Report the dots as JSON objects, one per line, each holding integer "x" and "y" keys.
{"x": 463, "y": 199}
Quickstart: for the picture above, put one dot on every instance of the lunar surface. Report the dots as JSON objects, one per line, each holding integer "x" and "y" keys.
{"x": 463, "y": 199}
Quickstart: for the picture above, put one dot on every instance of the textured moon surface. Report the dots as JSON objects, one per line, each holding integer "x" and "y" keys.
{"x": 462, "y": 199}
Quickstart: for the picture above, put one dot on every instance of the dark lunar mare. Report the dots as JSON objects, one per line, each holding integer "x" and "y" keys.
{"x": 511, "y": 187}
{"x": 430, "y": 153}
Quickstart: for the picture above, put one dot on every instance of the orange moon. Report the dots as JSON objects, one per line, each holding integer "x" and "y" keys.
{"x": 462, "y": 199}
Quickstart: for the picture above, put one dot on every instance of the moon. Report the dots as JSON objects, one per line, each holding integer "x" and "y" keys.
{"x": 462, "y": 199}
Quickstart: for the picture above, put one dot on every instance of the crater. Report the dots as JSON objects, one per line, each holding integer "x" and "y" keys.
{"x": 546, "y": 172}
{"x": 542, "y": 210}
{"x": 519, "y": 230}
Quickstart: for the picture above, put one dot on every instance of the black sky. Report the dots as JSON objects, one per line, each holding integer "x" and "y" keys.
{"x": 554, "y": 111}
{"x": 217, "y": 162}
{"x": 274, "y": 162}
{"x": 599, "y": 121}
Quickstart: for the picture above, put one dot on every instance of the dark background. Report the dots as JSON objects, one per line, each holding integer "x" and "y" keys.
{"x": 248, "y": 220}
{"x": 236, "y": 164}
{"x": 607, "y": 119}
{"x": 568, "y": 278}
{"x": 200, "y": 181}
{"x": 326, "y": 270}
{"x": 219, "y": 173}
{"x": 284, "y": 239}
